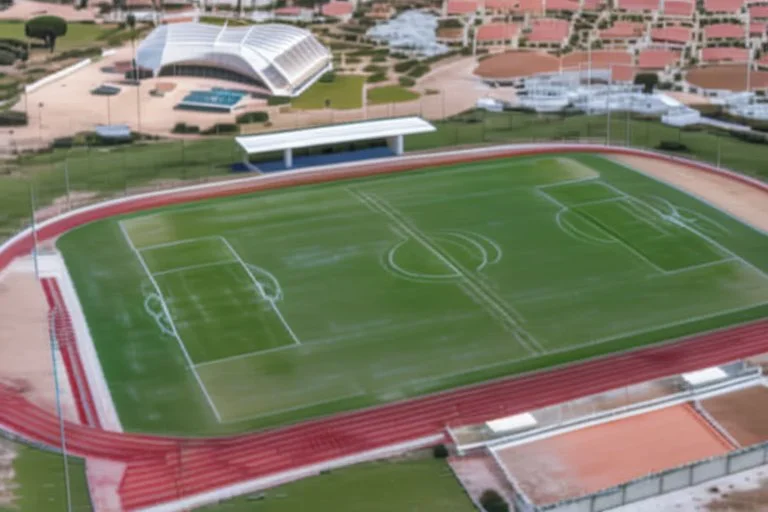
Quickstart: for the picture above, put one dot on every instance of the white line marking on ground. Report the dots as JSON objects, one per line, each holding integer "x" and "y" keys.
{"x": 297, "y": 407}
{"x": 175, "y": 243}
{"x": 484, "y": 296}
{"x": 193, "y": 267}
{"x": 262, "y": 292}
{"x": 167, "y": 312}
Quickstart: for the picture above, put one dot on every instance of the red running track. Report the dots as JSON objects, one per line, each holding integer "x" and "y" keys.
{"x": 161, "y": 469}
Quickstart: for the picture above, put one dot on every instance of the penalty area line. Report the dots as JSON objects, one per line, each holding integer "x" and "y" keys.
{"x": 167, "y": 312}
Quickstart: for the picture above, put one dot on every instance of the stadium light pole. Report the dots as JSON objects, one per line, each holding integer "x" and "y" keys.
{"x": 608, "y": 106}
{"x": 54, "y": 343}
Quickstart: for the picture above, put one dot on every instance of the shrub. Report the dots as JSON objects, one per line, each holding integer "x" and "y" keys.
{"x": 672, "y": 145}
{"x": 328, "y": 77}
{"x": 253, "y": 117}
{"x": 63, "y": 143}
{"x": 221, "y": 129}
{"x": 273, "y": 101}
{"x": 370, "y": 68}
{"x": 376, "y": 77}
{"x": 80, "y": 53}
{"x": 185, "y": 128}
{"x": 379, "y": 58}
{"x": 440, "y": 452}
{"x": 20, "y": 53}
{"x": 406, "y": 81}
{"x": 46, "y": 28}
{"x": 419, "y": 71}
{"x": 6, "y": 58}
{"x": 491, "y": 501}
{"x": 402, "y": 67}
{"x": 13, "y": 118}
{"x": 353, "y": 60}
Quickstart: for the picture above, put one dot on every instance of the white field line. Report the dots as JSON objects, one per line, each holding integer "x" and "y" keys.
{"x": 702, "y": 265}
{"x": 175, "y": 242}
{"x": 483, "y": 295}
{"x": 275, "y": 412}
{"x": 608, "y": 339}
{"x": 246, "y": 355}
{"x": 167, "y": 312}
{"x": 193, "y": 267}
{"x": 630, "y": 207}
{"x": 261, "y": 291}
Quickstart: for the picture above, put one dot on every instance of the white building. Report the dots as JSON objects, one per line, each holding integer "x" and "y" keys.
{"x": 281, "y": 59}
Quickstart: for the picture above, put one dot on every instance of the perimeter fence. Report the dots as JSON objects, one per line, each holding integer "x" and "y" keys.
{"x": 58, "y": 179}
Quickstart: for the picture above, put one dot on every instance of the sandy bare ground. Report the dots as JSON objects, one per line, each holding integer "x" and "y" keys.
{"x": 26, "y": 9}
{"x": 743, "y": 413}
{"x": 740, "y": 200}
{"x": 25, "y": 357}
{"x": 477, "y": 473}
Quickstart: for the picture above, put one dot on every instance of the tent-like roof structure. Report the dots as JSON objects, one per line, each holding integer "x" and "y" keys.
{"x": 286, "y": 59}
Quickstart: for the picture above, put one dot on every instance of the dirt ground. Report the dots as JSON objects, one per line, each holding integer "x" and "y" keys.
{"x": 480, "y": 473}
{"x": 738, "y": 199}
{"x": 594, "y": 458}
{"x": 25, "y": 357}
{"x": 752, "y": 500}
{"x": 733, "y": 77}
{"x": 517, "y": 64}
{"x": 744, "y": 414}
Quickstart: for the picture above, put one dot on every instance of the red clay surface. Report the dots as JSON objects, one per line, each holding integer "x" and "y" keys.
{"x": 732, "y": 77}
{"x": 161, "y": 469}
{"x": 517, "y": 64}
{"x": 743, "y": 414}
{"x": 595, "y": 458}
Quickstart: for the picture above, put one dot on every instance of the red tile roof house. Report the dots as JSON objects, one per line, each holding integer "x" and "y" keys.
{"x": 460, "y": 8}
{"x": 723, "y": 31}
{"x": 638, "y": 5}
{"x": 712, "y": 55}
{"x": 496, "y": 34}
{"x": 549, "y": 33}
{"x": 674, "y": 36}
{"x": 504, "y": 7}
{"x": 555, "y": 6}
{"x": 758, "y": 12}
{"x": 763, "y": 62}
{"x": 657, "y": 59}
{"x": 677, "y": 9}
{"x": 294, "y": 14}
{"x": 623, "y": 32}
{"x": 758, "y": 30}
{"x": 723, "y": 6}
{"x": 592, "y": 5}
{"x": 339, "y": 10}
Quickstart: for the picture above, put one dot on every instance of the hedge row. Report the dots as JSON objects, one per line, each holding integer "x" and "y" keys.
{"x": 13, "y": 118}
{"x": 253, "y": 117}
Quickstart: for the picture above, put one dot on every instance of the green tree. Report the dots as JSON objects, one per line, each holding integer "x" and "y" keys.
{"x": 491, "y": 501}
{"x": 47, "y": 28}
{"x": 649, "y": 81}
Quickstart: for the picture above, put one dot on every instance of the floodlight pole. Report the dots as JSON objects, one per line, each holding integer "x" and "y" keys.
{"x": 52, "y": 337}
{"x": 66, "y": 183}
{"x": 608, "y": 106}
{"x": 34, "y": 230}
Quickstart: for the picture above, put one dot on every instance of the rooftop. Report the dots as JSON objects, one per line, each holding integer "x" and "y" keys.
{"x": 724, "y": 31}
{"x": 548, "y": 30}
{"x": 677, "y": 35}
{"x": 497, "y": 31}
{"x": 657, "y": 59}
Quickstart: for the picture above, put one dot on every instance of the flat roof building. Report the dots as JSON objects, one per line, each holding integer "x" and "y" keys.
{"x": 280, "y": 58}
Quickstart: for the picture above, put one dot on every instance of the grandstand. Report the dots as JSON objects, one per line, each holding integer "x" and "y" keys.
{"x": 280, "y": 59}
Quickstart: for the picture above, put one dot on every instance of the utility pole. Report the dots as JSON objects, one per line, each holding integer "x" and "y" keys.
{"x": 54, "y": 344}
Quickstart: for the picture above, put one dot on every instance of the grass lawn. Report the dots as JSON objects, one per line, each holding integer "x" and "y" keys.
{"x": 390, "y": 94}
{"x": 37, "y": 481}
{"x": 326, "y": 298}
{"x": 416, "y": 485}
{"x": 78, "y": 34}
{"x": 345, "y": 92}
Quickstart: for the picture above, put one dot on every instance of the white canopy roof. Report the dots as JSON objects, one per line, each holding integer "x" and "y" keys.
{"x": 335, "y": 134}
{"x": 704, "y": 376}
{"x": 516, "y": 422}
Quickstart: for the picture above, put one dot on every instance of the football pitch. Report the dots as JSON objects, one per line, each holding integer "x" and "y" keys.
{"x": 268, "y": 308}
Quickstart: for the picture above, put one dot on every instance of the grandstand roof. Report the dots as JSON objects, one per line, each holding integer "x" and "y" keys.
{"x": 333, "y": 134}
{"x": 285, "y": 58}
{"x": 497, "y": 31}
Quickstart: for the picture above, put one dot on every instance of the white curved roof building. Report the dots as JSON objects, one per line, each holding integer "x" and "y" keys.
{"x": 281, "y": 58}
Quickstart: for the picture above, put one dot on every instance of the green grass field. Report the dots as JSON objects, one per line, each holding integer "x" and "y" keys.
{"x": 390, "y": 94}
{"x": 247, "y": 312}
{"x": 36, "y": 481}
{"x": 345, "y": 92}
{"x": 412, "y": 485}
{"x": 78, "y": 34}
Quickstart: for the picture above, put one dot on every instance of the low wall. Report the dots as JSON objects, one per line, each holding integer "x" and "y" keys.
{"x": 56, "y": 76}
{"x": 22, "y": 243}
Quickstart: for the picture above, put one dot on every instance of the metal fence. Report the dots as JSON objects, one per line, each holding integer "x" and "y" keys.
{"x": 664, "y": 482}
